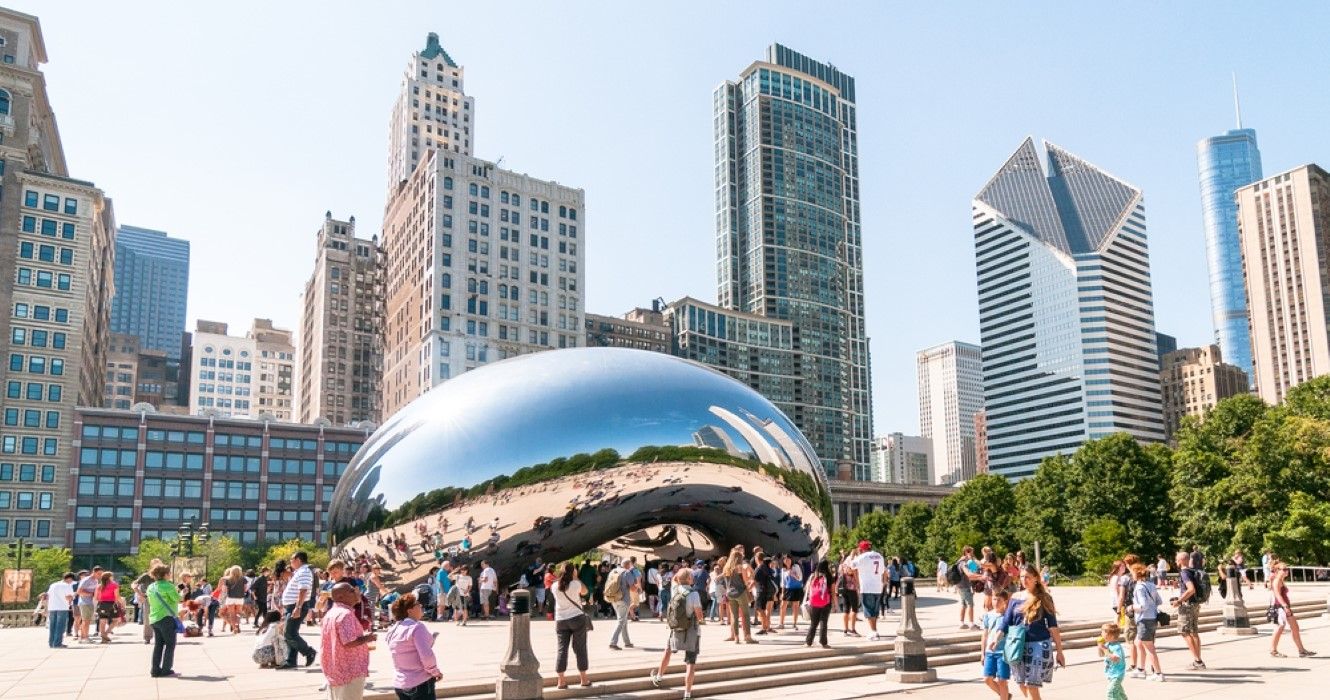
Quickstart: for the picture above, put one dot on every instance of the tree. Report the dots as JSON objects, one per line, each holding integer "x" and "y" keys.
{"x": 48, "y": 564}
{"x": 1207, "y": 452}
{"x": 282, "y": 551}
{"x": 1304, "y": 537}
{"x": 149, "y": 548}
{"x": 980, "y": 512}
{"x": 1103, "y": 541}
{"x": 908, "y": 531}
{"x": 1041, "y": 502}
{"x": 874, "y": 527}
{"x": 223, "y": 552}
{"x": 1117, "y": 478}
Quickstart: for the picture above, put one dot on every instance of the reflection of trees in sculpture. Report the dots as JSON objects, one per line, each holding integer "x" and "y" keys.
{"x": 805, "y": 486}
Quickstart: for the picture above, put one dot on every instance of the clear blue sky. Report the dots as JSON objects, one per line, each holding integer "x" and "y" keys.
{"x": 236, "y": 125}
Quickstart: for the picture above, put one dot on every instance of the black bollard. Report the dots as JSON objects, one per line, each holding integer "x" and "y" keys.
{"x": 519, "y": 674}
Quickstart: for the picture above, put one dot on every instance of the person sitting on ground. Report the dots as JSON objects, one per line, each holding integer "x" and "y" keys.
{"x": 270, "y": 649}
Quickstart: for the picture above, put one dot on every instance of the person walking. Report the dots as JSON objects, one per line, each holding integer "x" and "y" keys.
{"x": 1144, "y": 610}
{"x": 1189, "y": 609}
{"x": 59, "y": 601}
{"x": 617, "y": 597}
{"x": 1033, "y": 610}
{"x": 819, "y": 604}
{"x": 737, "y": 583}
{"x": 344, "y": 643}
{"x": 297, "y": 598}
{"x": 1115, "y": 664}
{"x": 570, "y": 624}
{"x": 163, "y": 602}
{"x": 233, "y": 597}
{"x": 997, "y": 672}
{"x": 683, "y": 615}
{"x": 107, "y": 595}
{"x": 415, "y": 668}
{"x": 942, "y": 567}
{"x": 872, "y": 572}
{"x": 1284, "y": 617}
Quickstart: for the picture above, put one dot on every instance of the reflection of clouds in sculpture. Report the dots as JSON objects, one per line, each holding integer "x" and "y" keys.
{"x": 525, "y": 411}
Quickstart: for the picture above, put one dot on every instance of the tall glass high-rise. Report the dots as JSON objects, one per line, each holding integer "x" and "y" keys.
{"x": 1226, "y": 163}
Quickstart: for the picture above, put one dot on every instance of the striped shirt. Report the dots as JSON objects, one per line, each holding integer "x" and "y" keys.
{"x": 302, "y": 578}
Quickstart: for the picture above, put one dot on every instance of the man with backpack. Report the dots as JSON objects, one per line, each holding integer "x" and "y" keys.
{"x": 617, "y": 595}
{"x": 962, "y": 575}
{"x": 683, "y": 615}
{"x": 1193, "y": 591}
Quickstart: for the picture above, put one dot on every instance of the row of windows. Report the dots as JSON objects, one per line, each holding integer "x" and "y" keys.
{"x": 32, "y": 418}
{"x": 36, "y": 337}
{"x": 45, "y": 253}
{"x": 236, "y": 490}
{"x": 27, "y": 444}
{"x": 41, "y": 313}
{"x": 28, "y": 472}
{"x": 50, "y": 202}
{"x": 23, "y": 527}
{"x": 194, "y": 437}
{"x": 25, "y": 500}
{"x": 45, "y": 279}
{"x": 36, "y": 364}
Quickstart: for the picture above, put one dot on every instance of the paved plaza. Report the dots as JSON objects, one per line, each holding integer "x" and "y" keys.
{"x": 220, "y": 667}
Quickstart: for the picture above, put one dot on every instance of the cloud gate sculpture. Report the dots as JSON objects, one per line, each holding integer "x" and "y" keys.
{"x": 557, "y": 453}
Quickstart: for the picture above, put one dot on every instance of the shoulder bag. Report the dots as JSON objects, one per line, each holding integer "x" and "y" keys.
{"x": 179, "y": 626}
{"x": 1013, "y": 649}
{"x": 586, "y": 619}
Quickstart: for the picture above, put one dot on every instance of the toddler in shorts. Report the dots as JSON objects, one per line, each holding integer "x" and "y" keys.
{"x": 1115, "y": 660}
{"x": 996, "y": 669}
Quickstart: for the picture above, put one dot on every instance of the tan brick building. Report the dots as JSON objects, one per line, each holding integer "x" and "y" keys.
{"x": 1193, "y": 381}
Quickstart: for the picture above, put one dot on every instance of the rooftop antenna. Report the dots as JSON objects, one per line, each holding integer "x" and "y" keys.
{"x": 1237, "y": 106}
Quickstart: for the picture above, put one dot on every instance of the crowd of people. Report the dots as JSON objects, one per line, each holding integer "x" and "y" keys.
{"x": 750, "y": 594}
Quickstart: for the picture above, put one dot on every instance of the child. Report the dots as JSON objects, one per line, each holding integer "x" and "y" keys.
{"x": 996, "y": 669}
{"x": 1115, "y": 663}
{"x": 270, "y": 650}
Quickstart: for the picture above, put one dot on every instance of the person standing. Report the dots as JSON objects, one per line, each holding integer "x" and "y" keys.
{"x": 1189, "y": 610}
{"x": 1143, "y": 610}
{"x": 297, "y": 598}
{"x": 86, "y": 589}
{"x": 344, "y": 645}
{"x": 737, "y": 583}
{"x": 163, "y": 602}
{"x": 653, "y": 590}
{"x": 1043, "y": 640}
{"x": 792, "y": 591}
{"x": 59, "y": 600}
{"x": 1267, "y": 566}
{"x": 631, "y": 583}
{"x": 536, "y": 581}
{"x": 872, "y": 572}
{"x": 848, "y": 585}
{"x": 489, "y": 589}
{"x": 233, "y": 597}
{"x": 819, "y": 604}
{"x": 416, "y": 670}
{"x": 570, "y": 624}
{"x": 461, "y": 593}
{"x": 1284, "y": 617}
{"x": 969, "y": 570}
{"x": 107, "y": 595}
{"x": 764, "y": 584}
{"x": 141, "y": 598}
{"x": 616, "y": 595}
{"x": 683, "y": 615}
{"x": 701, "y": 581}
{"x": 942, "y": 575}
{"x": 258, "y": 588}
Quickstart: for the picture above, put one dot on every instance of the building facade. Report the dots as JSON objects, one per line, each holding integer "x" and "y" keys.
{"x": 1194, "y": 380}
{"x": 641, "y": 329}
{"x": 903, "y": 459}
{"x": 1284, "y": 226}
{"x": 1226, "y": 163}
{"x": 981, "y": 442}
{"x": 151, "y": 288}
{"x": 275, "y": 384}
{"x": 789, "y": 236}
{"x": 56, "y": 283}
{"x": 140, "y": 474}
{"x": 249, "y": 376}
{"x": 341, "y": 358}
{"x": 432, "y": 112}
{"x": 951, "y": 391}
{"x": 853, "y": 499}
{"x": 1066, "y": 309}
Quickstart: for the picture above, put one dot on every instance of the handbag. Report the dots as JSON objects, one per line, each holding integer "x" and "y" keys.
{"x": 1013, "y": 649}
{"x": 1164, "y": 619}
{"x": 179, "y": 626}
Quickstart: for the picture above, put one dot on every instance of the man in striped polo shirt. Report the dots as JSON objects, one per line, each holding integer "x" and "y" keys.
{"x": 297, "y": 598}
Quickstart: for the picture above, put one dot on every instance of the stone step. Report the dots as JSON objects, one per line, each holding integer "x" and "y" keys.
{"x": 795, "y": 667}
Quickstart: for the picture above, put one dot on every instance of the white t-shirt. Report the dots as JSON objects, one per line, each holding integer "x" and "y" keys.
{"x": 463, "y": 583}
{"x": 870, "y": 567}
{"x": 567, "y": 603}
{"x": 55, "y": 596}
{"x": 489, "y": 581}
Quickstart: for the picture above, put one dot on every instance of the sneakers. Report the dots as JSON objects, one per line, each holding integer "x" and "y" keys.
{"x": 655, "y": 679}
{"x": 874, "y": 637}
{"x": 1136, "y": 673}
{"x": 1157, "y": 677}
{"x": 1197, "y": 666}
{"x": 616, "y": 647}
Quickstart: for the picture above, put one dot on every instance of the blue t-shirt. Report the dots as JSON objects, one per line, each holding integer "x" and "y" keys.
{"x": 1115, "y": 669}
{"x": 1036, "y": 631}
{"x": 1185, "y": 577}
{"x": 445, "y": 583}
{"x": 991, "y": 622}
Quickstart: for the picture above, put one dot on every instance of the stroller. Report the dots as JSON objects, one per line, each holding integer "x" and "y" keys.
{"x": 425, "y": 594}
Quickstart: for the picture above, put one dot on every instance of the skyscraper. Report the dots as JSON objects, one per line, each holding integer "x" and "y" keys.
{"x": 151, "y": 288}
{"x": 789, "y": 239}
{"x": 1066, "y": 310}
{"x": 432, "y": 112}
{"x": 341, "y": 329}
{"x": 951, "y": 391}
{"x": 1193, "y": 380}
{"x": 902, "y": 459}
{"x": 1284, "y": 226}
{"x": 1226, "y": 163}
{"x": 57, "y": 256}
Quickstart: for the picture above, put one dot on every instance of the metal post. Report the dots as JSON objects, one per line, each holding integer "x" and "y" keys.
{"x": 519, "y": 673}
{"x": 911, "y": 661}
{"x": 1235, "y": 610}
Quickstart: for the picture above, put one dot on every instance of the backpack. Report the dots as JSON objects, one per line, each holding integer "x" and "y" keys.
{"x": 734, "y": 586}
{"x": 954, "y": 575}
{"x": 676, "y": 614}
{"x": 613, "y": 591}
{"x": 1202, "y": 582}
{"x": 818, "y": 594}
{"x": 1128, "y": 594}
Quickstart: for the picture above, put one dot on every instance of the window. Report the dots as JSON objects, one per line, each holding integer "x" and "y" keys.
{"x": 71, "y": 206}
{"x": 51, "y": 202}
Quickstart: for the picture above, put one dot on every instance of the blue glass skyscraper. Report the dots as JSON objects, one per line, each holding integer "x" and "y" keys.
{"x": 151, "y": 287}
{"x": 1226, "y": 163}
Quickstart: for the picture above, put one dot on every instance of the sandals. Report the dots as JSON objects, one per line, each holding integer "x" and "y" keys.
{"x": 1278, "y": 655}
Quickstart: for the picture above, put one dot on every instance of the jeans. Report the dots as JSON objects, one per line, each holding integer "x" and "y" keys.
{"x": 739, "y": 612}
{"x": 424, "y": 691}
{"x": 621, "y": 613}
{"x": 819, "y": 618}
{"x": 56, "y": 622}
{"x": 571, "y": 631}
{"x": 295, "y": 644}
{"x": 163, "y": 646}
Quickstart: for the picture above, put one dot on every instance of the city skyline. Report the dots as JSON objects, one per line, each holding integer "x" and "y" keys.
{"x": 277, "y": 184}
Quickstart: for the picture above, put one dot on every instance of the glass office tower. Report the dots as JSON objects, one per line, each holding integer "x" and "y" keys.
{"x": 151, "y": 288}
{"x": 788, "y": 237}
{"x": 1226, "y": 163}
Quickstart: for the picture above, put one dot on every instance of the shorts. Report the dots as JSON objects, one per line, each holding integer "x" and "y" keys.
{"x": 1281, "y": 620}
{"x": 107, "y": 610}
{"x": 870, "y": 602}
{"x": 238, "y": 602}
{"x": 967, "y": 595}
{"x": 793, "y": 595}
{"x": 763, "y": 597}
{"x": 1129, "y": 634}
{"x": 492, "y": 596}
{"x": 1189, "y": 618}
{"x": 690, "y": 657}
{"x": 996, "y": 666}
{"x": 86, "y": 611}
{"x": 1036, "y": 665}
{"x": 1146, "y": 630}
{"x": 850, "y": 601}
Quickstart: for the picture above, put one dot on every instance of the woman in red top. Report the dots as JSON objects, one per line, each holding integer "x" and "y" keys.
{"x": 107, "y": 596}
{"x": 1284, "y": 616}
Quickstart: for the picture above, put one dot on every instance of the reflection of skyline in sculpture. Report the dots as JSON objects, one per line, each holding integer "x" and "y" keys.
{"x": 551, "y": 420}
